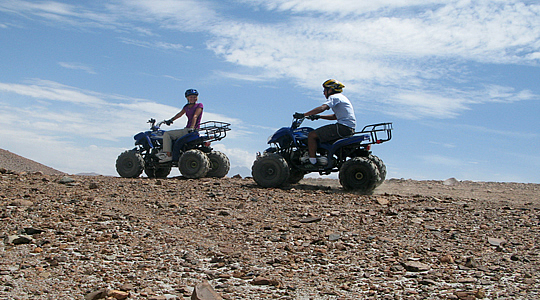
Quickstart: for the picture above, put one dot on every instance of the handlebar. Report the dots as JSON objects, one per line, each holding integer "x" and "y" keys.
{"x": 297, "y": 122}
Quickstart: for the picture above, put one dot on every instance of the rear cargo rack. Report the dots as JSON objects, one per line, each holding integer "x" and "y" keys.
{"x": 380, "y": 133}
{"x": 214, "y": 130}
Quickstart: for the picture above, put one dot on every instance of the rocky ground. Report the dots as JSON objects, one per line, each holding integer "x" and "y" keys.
{"x": 69, "y": 237}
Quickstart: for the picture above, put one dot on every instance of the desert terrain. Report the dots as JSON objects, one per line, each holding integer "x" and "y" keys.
{"x": 97, "y": 237}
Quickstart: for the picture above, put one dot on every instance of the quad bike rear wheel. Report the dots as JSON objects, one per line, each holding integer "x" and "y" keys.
{"x": 219, "y": 164}
{"x": 295, "y": 176}
{"x": 194, "y": 164}
{"x": 270, "y": 170}
{"x": 130, "y": 164}
{"x": 359, "y": 174}
{"x": 380, "y": 166}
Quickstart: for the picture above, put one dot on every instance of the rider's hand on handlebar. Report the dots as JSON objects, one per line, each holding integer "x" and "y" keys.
{"x": 168, "y": 122}
{"x": 313, "y": 117}
{"x": 298, "y": 115}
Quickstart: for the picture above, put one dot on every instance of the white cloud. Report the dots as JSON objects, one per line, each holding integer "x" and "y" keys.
{"x": 60, "y": 13}
{"x": 186, "y": 15}
{"x": 338, "y": 7}
{"x": 416, "y": 105}
{"x": 498, "y": 93}
{"x": 77, "y": 66}
{"x": 154, "y": 44}
{"x": 49, "y": 90}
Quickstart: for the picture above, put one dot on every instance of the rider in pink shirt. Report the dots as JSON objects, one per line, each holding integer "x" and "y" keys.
{"x": 193, "y": 112}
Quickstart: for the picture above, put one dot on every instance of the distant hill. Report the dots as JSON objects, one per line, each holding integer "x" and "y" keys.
{"x": 17, "y": 163}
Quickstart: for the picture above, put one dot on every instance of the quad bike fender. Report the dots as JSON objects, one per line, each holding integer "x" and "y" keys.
{"x": 280, "y": 133}
{"x": 180, "y": 144}
{"x": 355, "y": 139}
{"x": 143, "y": 139}
{"x": 302, "y": 133}
{"x": 190, "y": 137}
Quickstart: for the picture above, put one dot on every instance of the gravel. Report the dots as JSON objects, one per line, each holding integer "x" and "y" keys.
{"x": 70, "y": 237}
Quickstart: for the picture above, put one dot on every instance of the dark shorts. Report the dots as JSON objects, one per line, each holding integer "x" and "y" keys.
{"x": 333, "y": 132}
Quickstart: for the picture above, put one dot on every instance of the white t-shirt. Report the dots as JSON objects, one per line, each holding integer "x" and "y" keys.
{"x": 343, "y": 109}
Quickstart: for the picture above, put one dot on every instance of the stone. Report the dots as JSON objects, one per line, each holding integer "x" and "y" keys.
{"x": 450, "y": 181}
{"x": 127, "y": 287}
{"x": 447, "y": 259}
{"x": 496, "y": 242}
{"x": 382, "y": 201}
{"x": 66, "y": 180}
{"x": 466, "y": 280}
{"x": 311, "y": 220}
{"x": 204, "y": 291}
{"x": 264, "y": 281}
{"x": 470, "y": 262}
{"x": 19, "y": 239}
{"x": 99, "y": 294}
{"x": 334, "y": 237}
{"x": 427, "y": 282}
{"x": 32, "y": 231}
{"x": 21, "y": 203}
{"x": 120, "y": 295}
{"x": 416, "y": 266}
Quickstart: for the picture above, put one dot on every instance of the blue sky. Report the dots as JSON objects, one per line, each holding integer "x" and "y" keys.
{"x": 460, "y": 79}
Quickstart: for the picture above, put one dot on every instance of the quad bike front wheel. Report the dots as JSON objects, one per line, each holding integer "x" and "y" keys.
{"x": 270, "y": 170}
{"x": 359, "y": 174}
{"x": 194, "y": 164}
{"x": 219, "y": 164}
{"x": 130, "y": 164}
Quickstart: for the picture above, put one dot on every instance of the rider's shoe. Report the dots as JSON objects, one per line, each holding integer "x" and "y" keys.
{"x": 322, "y": 160}
{"x": 163, "y": 157}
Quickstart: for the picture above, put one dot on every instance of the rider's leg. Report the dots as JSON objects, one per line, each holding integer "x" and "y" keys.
{"x": 170, "y": 136}
{"x": 167, "y": 143}
{"x": 312, "y": 146}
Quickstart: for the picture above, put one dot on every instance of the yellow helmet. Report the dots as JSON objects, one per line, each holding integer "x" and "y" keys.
{"x": 334, "y": 84}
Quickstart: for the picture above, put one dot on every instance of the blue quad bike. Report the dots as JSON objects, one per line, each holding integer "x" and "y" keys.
{"x": 285, "y": 162}
{"x": 191, "y": 153}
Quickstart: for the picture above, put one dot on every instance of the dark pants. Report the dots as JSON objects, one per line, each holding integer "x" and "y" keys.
{"x": 333, "y": 132}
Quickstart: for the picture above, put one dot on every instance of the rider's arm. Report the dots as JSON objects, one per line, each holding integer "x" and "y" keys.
{"x": 329, "y": 117}
{"x": 196, "y": 115}
{"x": 317, "y": 110}
{"x": 178, "y": 115}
